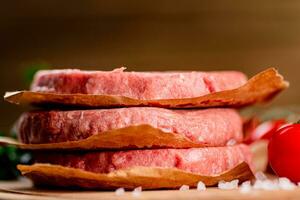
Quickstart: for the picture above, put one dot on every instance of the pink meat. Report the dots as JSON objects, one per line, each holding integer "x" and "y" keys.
{"x": 138, "y": 85}
{"x": 211, "y": 127}
{"x": 204, "y": 161}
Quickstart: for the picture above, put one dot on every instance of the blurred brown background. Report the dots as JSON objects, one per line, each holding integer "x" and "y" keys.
{"x": 147, "y": 35}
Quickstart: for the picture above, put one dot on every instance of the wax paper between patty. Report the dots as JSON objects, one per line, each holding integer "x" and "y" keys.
{"x": 140, "y": 136}
{"x": 146, "y": 177}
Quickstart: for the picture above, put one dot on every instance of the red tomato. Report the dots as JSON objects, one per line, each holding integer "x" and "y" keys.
{"x": 264, "y": 130}
{"x": 276, "y": 124}
{"x": 284, "y": 152}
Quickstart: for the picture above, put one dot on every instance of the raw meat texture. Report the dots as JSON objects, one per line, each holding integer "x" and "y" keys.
{"x": 205, "y": 161}
{"x": 137, "y": 85}
{"x": 210, "y": 127}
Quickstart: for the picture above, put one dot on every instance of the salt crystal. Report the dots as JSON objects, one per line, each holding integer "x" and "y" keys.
{"x": 184, "y": 188}
{"x": 262, "y": 183}
{"x": 120, "y": 191}
{"x": 265, "y": 185}
{"x": 25, "y": 158}
{"x": 228, "y": 185}
{"x": 231, "y": 142}
{"x": 260, "y": 176}
{"x": 245, "y": 187}
{"x": 201, "y": 186}
{"x": 137, "y": 192}
{"x": 258, "y": 184}
{"x": 286, "y": 184}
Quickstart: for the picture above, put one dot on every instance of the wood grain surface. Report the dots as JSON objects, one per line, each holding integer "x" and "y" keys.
{"x": 23, "y": 189}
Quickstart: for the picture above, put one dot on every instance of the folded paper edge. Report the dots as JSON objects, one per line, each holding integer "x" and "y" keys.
{"x": 146, "y": 177}
{"x": 274, "y": 84}
{"x": 122, "y": 138}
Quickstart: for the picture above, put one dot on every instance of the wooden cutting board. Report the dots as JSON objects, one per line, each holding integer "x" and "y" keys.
{"x": 23, "y": 189}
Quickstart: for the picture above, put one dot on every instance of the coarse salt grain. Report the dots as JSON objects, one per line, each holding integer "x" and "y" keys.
{"x": 260, "y": 176}
{"x": 120, "y": 191}
{"x": 265, "y": 185}
{"x": 184, "y": 188}
{"x": 201, "y": 186}
{"x": 137, "y": 192}
{"x": 245, "y": 187}
{"x": 231, "y": 142}
{"x": 228, "y": 185}
{"x": 286, "y": 184}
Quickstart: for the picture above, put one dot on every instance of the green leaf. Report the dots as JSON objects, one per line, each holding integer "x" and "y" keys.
{"x": 32, "y": 69}
{"x": 10, "y": 156}
{"x": 2, "y": 150}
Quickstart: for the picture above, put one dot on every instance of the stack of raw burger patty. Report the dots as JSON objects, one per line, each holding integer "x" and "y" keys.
{"x": 216, "y": 132}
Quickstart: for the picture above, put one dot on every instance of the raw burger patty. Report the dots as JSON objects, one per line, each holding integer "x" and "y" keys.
{"x": 137, "y": 85}
{"x": 204, "y": 161}
{"x": 212, "y": 127}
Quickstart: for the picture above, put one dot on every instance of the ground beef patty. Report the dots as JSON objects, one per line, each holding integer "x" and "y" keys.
{"x": 137, "y": 85}
{"x": 204, "y": 161}
{"x": 210, "y": 127}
